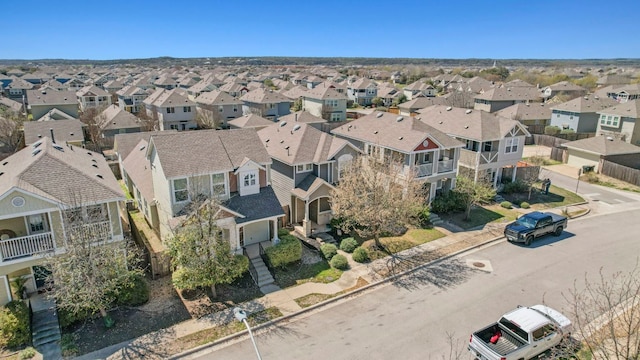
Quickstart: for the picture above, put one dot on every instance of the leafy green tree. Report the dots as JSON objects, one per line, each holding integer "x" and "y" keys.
{"x": 297, "y": 105}
{"x": 399, "y": 100}
{"x": 377, "y": 101}
{"x": 473, "y": 193}
{"x": 201, "y": 257}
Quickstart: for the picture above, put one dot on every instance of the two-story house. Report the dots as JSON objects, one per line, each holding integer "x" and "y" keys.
{"x": 564, "y": 88}
{"x": 418, "y": 88}
{"x": 362, "y": 91}
{"x": 492, "y": 143}
{"x": 217, "y": 107}
{"x": 428, "y": 154}
{"x": 306, "y": 164}
{"x": 93, "y": 97}
{"x": 501, "y": 97}
{"x": 17, "y": 89}
{"x": 41, "y": 102}
{"x": 171, "y": 109}
{"x": 325, "y": 102}
{"x": 66, "y": 131}
{"x": 230, "y": 165}
{"x": 621, "y": 121}
{"x": 113, "y": 120}
{"x": 535, "y": 116}
{"x": 579, "y": 114}
{"x": 266, "y": 103}
{"x": 41, "y": 188}
{"x": 131, "y": 98}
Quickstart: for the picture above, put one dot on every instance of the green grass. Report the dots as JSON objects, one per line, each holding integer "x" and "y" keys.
{"x": 299, "y": 273}
{"x": 125, "y": 190}
{"x": 212, "y": 334}
{"x": 312, "y": 299}
{"x": 394, "y": 244}
{"x": 557, "y": 197}
{"x": 483, "y": 215}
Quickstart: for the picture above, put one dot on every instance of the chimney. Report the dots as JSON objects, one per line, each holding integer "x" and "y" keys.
{"x": 53, "y": 139}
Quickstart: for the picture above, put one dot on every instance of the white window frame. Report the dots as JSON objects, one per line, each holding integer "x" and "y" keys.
{"x": 171, "y": 110}
{"x": 174, "y": 190}
{"x": 249, "y": 179}
{"x": 302, "y": 168}
{"x": 186, "y": 109}
{"x": 511, "y": 145}
{"x": 610, "y": 120}
{"x": 222, "y": 183}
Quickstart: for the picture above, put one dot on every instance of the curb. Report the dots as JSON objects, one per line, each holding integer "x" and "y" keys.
{"x": 256, "y": 328}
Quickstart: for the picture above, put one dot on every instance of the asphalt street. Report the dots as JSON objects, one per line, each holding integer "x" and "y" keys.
{"x": 412, "y": 317}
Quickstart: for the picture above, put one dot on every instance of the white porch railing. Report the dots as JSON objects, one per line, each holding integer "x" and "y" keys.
{"x": 25, "y": 246}
{"x": 99, "y": 231}
{"x": 424, "y": 169}
{"x": 445, "y": 165}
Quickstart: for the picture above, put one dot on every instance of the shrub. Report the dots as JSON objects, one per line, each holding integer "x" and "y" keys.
{"x": 287, "y": 251}
{"x": 283, "y": 232}
{"x": 67, "y": 318}
{"x": 515, "y": 187}
{"x": 328, "y": 250}
{"x": 27, "y": 353}
{"x": 525, "y": 205}
{"x": 448, "y": 202}
{"x": 134, "y": 293}
{"x": 14, "y": 325}
{"x": 506, "y": 204}
{"x": 339, "y": 262}
{"x": 423, "y": 216}
{"x": 348, "y": 244}
{"x": 68, "y": 345}
{"x": 551, "y": 130}
{"x": 360, "y": 255}
{"x": 567, "y": 131}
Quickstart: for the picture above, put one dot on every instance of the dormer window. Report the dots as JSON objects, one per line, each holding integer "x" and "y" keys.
{"x": 304, "y": 168}
{"x": 250, "y": 179}
{"x": 249, "y": 182}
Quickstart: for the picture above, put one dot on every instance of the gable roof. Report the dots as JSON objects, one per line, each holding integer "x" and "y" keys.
{"x": 323, "y": 92}
{"x": 423, "y": 102}
{"x": 91, "y": 90}
{"x": 250, "y": 121}
{"x": 138, "y": 168}
{"x": 62, "y": 174}
{"x": 630, "y": 109}
{"x": 510, "y": 94}
{"x": 585, "y": 104}
{"x": 262, "y": 205}
{"x": 262, "y": 96}
{"x": 123, "y": 144}
{"x": 384, "y": 129}
{"x": 113, "y": 117}
{"x": 522, "y": 111}
{"x": 207, "y": 151}
{"x": 51, "y": 97}
{"x": 69, "y": 130}
{"x": 469, "y": 124}
{"x": 299, "y": 143}
{"x": 173, "y": 97}
{"x": 55, "y": 114}
{"x": 603, "y": 145}
{"x": 217, "y": 97}
{"x": 302, "y": 117}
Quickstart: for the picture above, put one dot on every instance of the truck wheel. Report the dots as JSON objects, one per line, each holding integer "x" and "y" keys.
{"x": 558, "y": 231}
{"x": 528, "y": 240}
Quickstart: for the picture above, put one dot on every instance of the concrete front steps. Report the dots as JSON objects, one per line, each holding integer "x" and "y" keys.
{"x": 46, "y": 335}
{"x": 435, "y": 220}
{"x": 265, "y": 280}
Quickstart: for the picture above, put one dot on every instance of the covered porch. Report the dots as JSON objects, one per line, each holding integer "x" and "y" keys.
{"x": 311, "y": 206}
{"x": 25, "y": 236}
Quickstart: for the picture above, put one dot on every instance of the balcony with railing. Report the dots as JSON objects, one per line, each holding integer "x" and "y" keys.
{"x": 98, "y": 231}
{"x": 445, "y": 166}
{"x": 19, "y": 247}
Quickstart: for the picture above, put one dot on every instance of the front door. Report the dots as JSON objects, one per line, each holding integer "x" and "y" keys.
{"x": 37, "y": 224}
{"x": 41, "y": 274}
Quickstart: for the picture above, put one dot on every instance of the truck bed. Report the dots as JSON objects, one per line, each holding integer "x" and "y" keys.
{"x": 506, "y": 344}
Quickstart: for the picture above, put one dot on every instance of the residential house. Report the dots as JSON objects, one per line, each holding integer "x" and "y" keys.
{"x": 475, "y": 85}
{"x": 11, "y": 105}
{"x": 41, "y": 102}
{"x": 579, "y": 114}
{"x": 202, "y": 86}
{"x": 55, "y": 114}
{"x": 420, "y": 87}
{"x": 74, "y": 85}
{"x": 295, "y": 93}
{"x": 362, "y": 91}
{"x": 325, "y": 102}
{"x": 113, "y": 86}
{"x": 166, "y": 82}
{"x": 388, "y": 94}
{"x": 431, "y": 155}
{"x": 612, "y": 79}
{"x": 621, "y": 121}
{"x": 620, "y": 93}
{"x": 591, "y": 152}
{"x": 410, "y": 108}
{"x": 563, "y": 88}
{"x": 93, "y": 97}
{"x": 131, "y": 98}
{"x": 230, "y": 165}
{"x": 492, "y": 143}
{"x": 249, "y": 121}
{"x": 17, "y": 89}
{"x": 55, "y": 85}
{"x": 171, "y": 109}
{"x": 234, "y": 89}
{"x": 306, "y": 165}
{"x": 499, "y": 98}
{"x": 64, "y": 132}
{"x": 217, "y": 107}
{"x": 266, "y": 103}
{"x": 43, "y": 188}
{"x": 535, "y": 116}
{"x": 113, "y": 120}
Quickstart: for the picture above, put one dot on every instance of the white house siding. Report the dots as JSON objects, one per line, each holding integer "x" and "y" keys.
{"x": 162, "y": 192}
{"x": 5, "y": 289}
{"x": 282, "y": 182}
{"x": 579, "y": 159}
{"x": 177, "y": 118}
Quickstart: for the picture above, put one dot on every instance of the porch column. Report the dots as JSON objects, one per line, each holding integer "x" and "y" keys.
{"x": 513, "y": 175}
{"x": 306, "y": 224}
{"x": 6, "y": 286}
{"x": 495, "y": 178}
{"x": 275, "y": 239}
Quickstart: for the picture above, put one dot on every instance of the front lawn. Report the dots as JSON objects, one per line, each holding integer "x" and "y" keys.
{"x": 556, "y": 197}
{"x": 482, "y": 215}
{"x": 394, "y": 244}
{"x": 300, "y": 273}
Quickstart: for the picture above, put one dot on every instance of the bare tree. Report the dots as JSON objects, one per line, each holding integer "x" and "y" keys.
{"x": 606, "y": 314}
{"x": 149, "y": 123}
{"x": 208, "y": 119}
{"x": 92, "y": 117}
{"x": 10, "y": 135}
{"x": 376, "y": 196}
{"x": 90, "y": 272}
{"x": 473, "y": 193}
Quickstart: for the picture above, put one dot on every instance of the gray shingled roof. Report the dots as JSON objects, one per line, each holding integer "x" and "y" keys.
{"x": 510, "y": 94}
{"x": 138, "y": 167}
{"x": 630, "y": 109}
{"x": 114, "y": 117}
{"x": 254, "y": 207}
{"x": 383, "y": 128}
{"x": 63, "y": 131}
{"x": 64, "y": 176}
{"x": 324, "y": 92}
{"x": 217, "y": 97}
{"x": 123, "y": 144}
{"x": 302, "y": 117}
{"x": 586, "y": 104}
{"x": 468, "y": 124}
{"x": 206, "y": 151}
{"x": 522, "y": 111}
{"x": 250, "y": 121}
{"x": 38, "y": 97}
{"x": 603, "y": 145}
{"x": 262, "y": 96}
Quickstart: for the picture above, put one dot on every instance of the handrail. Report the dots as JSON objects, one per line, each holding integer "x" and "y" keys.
{"x": 252, "y": 269}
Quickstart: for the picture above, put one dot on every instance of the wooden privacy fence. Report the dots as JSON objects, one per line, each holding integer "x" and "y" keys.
{"x": 558, "y": 154}
{"x": 620, "y": 172}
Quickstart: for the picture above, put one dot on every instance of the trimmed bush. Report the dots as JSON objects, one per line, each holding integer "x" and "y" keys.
{"x": 567, "y": 131}
{"x": 515, "y": 187}
{"x": 348, "y": 244}
{"x": 288, "y": 250}
{"x": 283, "y": 232}
{"x": 506, "y": 204}
{"x": 525, "y": 205}
{"x": 339, "y": 262}
{"x": 27, "y": 353}
{"x": 328, "y": 250}
{"x": 448, "y": 202}
{"x": 135, "y": 293}
{"x": 360, "y": 255}
{"x": 551, "y": 130}
{"x": 14, "y": 325}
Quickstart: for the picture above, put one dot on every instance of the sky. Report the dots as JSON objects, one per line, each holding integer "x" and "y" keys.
{"x": 452, "y": 29}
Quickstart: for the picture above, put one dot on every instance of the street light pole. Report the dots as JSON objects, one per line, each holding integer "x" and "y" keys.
{"x": 578, "y": 183}
{"x": 241, "y": 315}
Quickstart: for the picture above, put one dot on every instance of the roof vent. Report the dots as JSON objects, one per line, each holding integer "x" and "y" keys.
{"x": 379, "y": 115}
{"x": 466, "y": 126}
{"x": 281, "y": 141}
{"x": 94, "y": 165}
{"x": 468, "y": 111}
{"x": 297, "y": 127}
{"x": 35, "y": 145}
{"x": 375, "y": 132}
{"x": 39, "y": 136}
{"x": 449, "y": 108}
{"x": 1, "y": 173}
{"x": 99, "y": 176}
{"x": 141, "y": 147}
{"x": 266, "y": 141}
{"x": 58, "y": 147}
{"x": 399, "y": 118}
{"x": 36, "y": 152}
{"x": 609, "y": 138}
{"x": 586, "y": 98}
{"x": 440, "y": 122}
{"x": 283, "y": 123}
{"x": 400, "y": 138}
{"x": 5, "y": 163}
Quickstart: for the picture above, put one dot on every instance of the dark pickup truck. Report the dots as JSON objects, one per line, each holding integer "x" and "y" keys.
{"x": 535, "y": 224}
